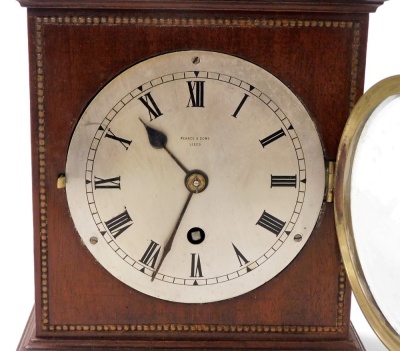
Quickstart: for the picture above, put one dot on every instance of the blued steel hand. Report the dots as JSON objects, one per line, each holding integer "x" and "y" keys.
{"x": 168, "y": 245}
{"x": 158, "y": 140}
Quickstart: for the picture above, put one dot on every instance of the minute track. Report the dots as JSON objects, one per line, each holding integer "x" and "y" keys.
{"x": 214, "y": 122}
{"x": 248, "y": 89}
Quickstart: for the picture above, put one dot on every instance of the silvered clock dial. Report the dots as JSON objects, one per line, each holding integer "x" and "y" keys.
{"x": 195, "y": 176}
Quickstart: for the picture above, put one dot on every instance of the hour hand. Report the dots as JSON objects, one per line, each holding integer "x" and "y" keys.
{"x": 158, "y": 140}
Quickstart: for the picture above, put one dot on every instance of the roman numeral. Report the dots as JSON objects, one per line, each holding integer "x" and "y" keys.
{"x": 195, "y": 268}
{"x": 148, "y": 101}
{"x": 242, "y": 260}
{"x": 274, "y": 136}
{"x": 124, "y": 142}
{"x": 283, "y": 181}
{"x": 118, "y": 224}
{"x": 110, "y": 183}
{"x": 151, "y": 254}
{"x": 245, "y": 97}
{"x": 196, "y": 90}
{"x": 271, "y": 223}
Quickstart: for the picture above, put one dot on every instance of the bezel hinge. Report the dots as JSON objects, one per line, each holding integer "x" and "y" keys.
{"x": 330, "y": 180}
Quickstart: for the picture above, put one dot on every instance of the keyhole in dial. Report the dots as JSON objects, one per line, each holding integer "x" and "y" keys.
{"x": 196, "y": 235}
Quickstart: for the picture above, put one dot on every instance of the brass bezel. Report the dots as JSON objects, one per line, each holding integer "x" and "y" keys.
{"x": 369, "y": 102}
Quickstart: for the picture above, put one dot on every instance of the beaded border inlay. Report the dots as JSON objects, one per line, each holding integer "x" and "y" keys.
{"x": 161, "y": 21}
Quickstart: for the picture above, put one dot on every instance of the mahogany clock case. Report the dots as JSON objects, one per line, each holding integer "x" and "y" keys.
{"x": 74, "y": 52}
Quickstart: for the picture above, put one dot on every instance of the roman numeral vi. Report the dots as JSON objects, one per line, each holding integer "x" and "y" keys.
{"x": 195, "y": 268}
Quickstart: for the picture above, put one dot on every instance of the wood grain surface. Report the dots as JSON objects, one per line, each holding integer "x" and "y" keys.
{"x": 320, "y": 56}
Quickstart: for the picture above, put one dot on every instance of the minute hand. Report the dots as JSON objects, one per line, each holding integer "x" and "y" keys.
{"x": 158, "y": 140}
{"x": 168, "y": 245}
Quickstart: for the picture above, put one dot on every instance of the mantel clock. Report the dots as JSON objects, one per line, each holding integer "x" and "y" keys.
{"x": 183, "y": 160}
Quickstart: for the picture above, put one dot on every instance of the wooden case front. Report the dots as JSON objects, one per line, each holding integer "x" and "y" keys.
{"x": 73, "y": 54}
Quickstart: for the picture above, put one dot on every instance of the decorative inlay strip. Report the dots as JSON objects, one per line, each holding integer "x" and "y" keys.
{"x": 186, "y": 22}
{"x": 342, "y": 281}
{"x": 189, "y": 22}
{"x": 42, "y": 175}
{"x": 198, "y": 328}
{"x": 354, "y": 66}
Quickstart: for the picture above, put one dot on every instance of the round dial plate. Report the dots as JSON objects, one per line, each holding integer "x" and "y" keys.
{"x": 195, "y": 176}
